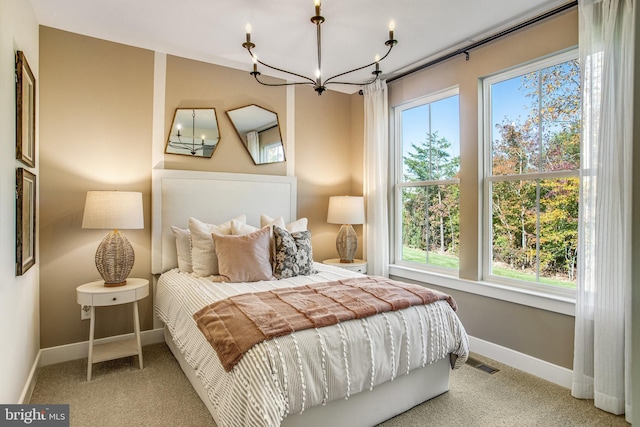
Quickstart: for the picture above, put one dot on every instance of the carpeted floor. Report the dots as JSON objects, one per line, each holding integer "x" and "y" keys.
{"x": 160, "y": 395}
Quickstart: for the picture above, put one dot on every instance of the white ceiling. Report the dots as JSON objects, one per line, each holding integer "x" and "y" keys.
{"x": 353, "y": 33}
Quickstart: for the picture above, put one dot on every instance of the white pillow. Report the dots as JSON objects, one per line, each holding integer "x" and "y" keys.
{"x": 203, "y": 253}
{"x": 183, "y": 248}
{"x": 239, "y": 228}
{"x": 292, "y": 227}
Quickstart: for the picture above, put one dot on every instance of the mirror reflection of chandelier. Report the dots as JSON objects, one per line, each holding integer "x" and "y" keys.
{"x": 319, "y": 85}
{"x": 181, "y": 141}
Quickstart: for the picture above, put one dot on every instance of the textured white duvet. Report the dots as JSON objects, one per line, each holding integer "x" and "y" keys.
{"x": 289, "y": 374}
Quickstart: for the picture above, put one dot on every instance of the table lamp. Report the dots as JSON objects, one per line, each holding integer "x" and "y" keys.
{"x": 114, "y": 210}
{"x": 346, "y": 210}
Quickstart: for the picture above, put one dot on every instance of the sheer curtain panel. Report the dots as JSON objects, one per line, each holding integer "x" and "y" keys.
{"x": 602, "y": 354}
{"x": 376, "y": 170}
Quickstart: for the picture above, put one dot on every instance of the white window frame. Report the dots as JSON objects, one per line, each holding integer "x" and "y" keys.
{"x": 487, "y": 254}
{"x": 399, "y": 184}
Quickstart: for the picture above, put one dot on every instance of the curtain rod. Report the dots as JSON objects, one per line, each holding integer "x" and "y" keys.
{"x": 465, "y": 50}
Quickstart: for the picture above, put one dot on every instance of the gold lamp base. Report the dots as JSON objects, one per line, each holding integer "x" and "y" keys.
{"x": 346, "y": 243}
{"x": 114, "y": 259}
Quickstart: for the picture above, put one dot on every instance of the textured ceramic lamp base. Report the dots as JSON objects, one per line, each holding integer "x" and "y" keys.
{"x": 346, "y": 243}
{"x": 114, "y": 259}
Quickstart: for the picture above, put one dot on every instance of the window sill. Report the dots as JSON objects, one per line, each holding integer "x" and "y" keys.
{"x": 554, "y": 303}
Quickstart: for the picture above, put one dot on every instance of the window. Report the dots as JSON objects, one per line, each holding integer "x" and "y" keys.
{"x": 272, "y": 153}
{"x": 427, "y": 182}
{"x": 532, "y": 142}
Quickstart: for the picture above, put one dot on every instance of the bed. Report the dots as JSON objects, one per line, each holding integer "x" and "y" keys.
{"x": 357, "y": 372}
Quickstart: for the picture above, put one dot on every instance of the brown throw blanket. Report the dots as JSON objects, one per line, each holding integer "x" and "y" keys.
{"x": 236, "y": 324}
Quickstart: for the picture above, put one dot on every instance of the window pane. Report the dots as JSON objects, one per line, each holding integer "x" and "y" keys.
{"x": 514, "y": 229}
{"x": 431, "y": 225}
{"x": 559, "y": 231}
{"x": 560, "y": 117}
{"x": 535, "y": 121}
{"x": 515, "y": 148}
{"x": 431, "y": 141}
{"x": 535, "y": 229}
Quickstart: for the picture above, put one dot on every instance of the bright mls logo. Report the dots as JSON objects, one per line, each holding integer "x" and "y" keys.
{"x": 34, "y": 415}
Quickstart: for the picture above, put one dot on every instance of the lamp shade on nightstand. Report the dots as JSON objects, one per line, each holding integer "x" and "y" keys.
{"x": 346, "y": 210}
{"x": 114, "y": 210}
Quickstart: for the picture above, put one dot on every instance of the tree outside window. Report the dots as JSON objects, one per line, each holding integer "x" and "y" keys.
{"x": 532, "y": 179}
{"x": 428, "y": 190}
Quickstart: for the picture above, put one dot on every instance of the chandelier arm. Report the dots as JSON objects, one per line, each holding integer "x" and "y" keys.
{"x": 354, "y": 83}
{"x": 319, "y": 43}
{"x": 193, "y": 130}
{"x": 279, "y": 69}
{"x": 281, "y": 84}
{"x": 361, "y": 68}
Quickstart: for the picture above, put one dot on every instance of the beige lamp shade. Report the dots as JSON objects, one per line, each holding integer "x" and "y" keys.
{"x": 114, "y": 210}
{"x": 346, "y": 210}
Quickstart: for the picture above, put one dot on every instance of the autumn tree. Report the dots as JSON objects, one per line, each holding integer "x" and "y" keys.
{"x": 535, "y": 221}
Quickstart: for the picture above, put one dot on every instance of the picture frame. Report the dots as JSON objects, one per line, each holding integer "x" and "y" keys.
{"x": 25, "y": 111}
{"x": 25, "y": 220}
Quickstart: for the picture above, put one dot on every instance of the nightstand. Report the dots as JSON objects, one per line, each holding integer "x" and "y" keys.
{"x": 357, "y": 265}
{"x": 95, "y": 294}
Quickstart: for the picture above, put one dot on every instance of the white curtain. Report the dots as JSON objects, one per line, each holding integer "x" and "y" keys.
{"x": 253, "y": 145}
{"x": 376, "y": 170}
{"x": 602, "y": 355}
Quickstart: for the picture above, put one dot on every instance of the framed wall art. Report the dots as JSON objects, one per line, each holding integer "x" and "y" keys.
{"x": 25, "y": 221}
{"x": 25, "y": 111}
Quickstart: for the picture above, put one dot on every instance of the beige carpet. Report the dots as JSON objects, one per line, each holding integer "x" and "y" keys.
{"x": 160, "y": 395}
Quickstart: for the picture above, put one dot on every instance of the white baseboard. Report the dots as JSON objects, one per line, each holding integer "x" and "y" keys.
{"x": 65, "y": 353}
{"x": 79, "y": 350}
{"x": 531, "y": 365}
{"x": 30, "y": 384}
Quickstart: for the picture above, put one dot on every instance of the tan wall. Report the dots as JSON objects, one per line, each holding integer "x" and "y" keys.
{"x": 97, "y": 125}
{"x": 96, "y": 112}
{"x": 506, "y": 324}
{"x": 198, "y": 84}
{"x": 324, "y": 163}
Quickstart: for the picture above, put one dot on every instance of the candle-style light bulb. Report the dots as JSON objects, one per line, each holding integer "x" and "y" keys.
{"x": 317, "y": 4}
{"x": 202, "y": 139}
{"x": 247, "y": 29}
{"x": 392, "y": 26}
{"x": 179, "y": 127}
{"x": 255, "y": 64}
{"x": 377, "y": 59}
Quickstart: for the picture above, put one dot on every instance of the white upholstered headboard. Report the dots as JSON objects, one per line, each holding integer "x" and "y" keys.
{"x": 212, "y": 197}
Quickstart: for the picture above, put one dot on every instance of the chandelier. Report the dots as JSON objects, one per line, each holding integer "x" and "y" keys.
{"x": 193, "y": 147}
{"x": 319, "y": 85}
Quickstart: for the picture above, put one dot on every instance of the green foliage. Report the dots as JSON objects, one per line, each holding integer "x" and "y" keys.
{"x": 535, "y": 221}
{"x": 431, "y": 214}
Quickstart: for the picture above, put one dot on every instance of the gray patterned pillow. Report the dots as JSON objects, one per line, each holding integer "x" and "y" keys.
{"x": 293, "y": 254}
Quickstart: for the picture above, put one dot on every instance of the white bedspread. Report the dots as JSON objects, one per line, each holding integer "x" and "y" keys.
{"x": 289, "y": 374}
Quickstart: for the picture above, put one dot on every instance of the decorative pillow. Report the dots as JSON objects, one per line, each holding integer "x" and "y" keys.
{"x": 244, "y": 258}
{"x": 203, "y": 254}
{"x": 298, "y": 225}
{"x": 293, "y": 253}
{"x": 183, "y": 248}
{"x": 239, "y": 228}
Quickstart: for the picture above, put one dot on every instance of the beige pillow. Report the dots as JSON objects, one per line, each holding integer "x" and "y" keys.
{"x": 203, "y": 254}
{"x": 239, "y": 228}
{"x": 244, "y": 258}
{"x": 183, "y": 248}
{"x": 292, "y": 227}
